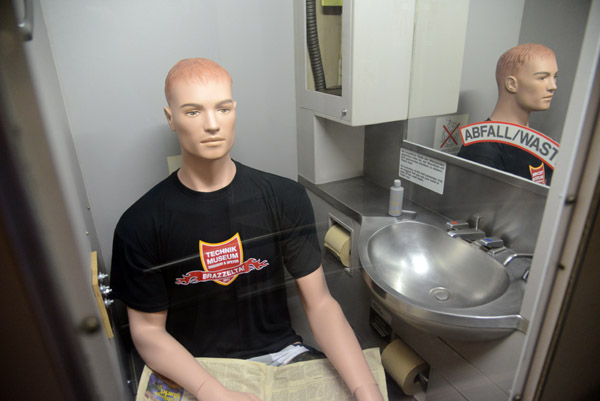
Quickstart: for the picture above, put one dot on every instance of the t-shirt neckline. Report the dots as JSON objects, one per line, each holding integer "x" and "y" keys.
{"x": 225, "y": 191}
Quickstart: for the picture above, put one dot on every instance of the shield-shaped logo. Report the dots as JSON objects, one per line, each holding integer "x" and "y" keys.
{"x": 222, "y": 256}
{"x": 538, "y": 174}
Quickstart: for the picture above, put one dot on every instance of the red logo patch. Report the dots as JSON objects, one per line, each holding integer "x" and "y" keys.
{"x": 538, "y": 174}
{"x": 222, "y": 256}
{"x": 222, "y": 263}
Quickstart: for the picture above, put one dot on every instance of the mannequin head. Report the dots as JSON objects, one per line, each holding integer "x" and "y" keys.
{"x": 194, "y": 70}
{"x": 526, "y": 77}
{"x": 201, "y": 110}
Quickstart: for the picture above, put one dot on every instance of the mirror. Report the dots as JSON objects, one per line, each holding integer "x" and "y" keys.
{"x": 493, "y": 28}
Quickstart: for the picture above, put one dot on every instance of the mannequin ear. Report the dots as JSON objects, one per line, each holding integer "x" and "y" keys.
{"x": 169, "y": 116}
{"x": 511, "y": 84}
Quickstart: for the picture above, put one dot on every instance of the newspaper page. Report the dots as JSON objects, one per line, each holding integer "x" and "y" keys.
{"x": 315, "y": 380}
{"x": 234, "y": 374}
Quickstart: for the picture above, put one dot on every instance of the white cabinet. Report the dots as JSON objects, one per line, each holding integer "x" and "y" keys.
{"x": 438, "y": 47}
{"x": 375, "y": 52}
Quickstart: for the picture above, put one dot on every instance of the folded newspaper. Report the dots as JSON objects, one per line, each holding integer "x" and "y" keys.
{"x": 315, "y": 380}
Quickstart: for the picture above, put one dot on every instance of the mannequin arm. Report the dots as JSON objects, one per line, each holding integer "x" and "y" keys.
{"x": 167, "y": 356}
{"x": 335, "y": 336}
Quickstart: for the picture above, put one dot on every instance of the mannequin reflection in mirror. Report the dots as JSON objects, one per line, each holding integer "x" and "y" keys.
{"x": 229, "y": 299}
{"x": 526, "y": 76}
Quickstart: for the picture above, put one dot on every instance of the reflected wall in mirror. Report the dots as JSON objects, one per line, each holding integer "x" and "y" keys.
{"x": 493, "y": 28}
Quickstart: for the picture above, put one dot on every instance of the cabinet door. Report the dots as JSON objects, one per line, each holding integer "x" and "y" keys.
{"x": 439, "y": 44}
{"x": 369, "y": 73}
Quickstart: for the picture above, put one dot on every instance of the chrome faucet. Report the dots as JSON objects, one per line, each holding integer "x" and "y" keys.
{"x": 469, "y": 234}
{"x": 519, "y": 255}
{"x": 461, "y": 229}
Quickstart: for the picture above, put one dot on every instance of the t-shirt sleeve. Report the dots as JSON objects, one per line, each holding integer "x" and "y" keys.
{"x": 301, "y": 251}
{"x": 135, "y": 277}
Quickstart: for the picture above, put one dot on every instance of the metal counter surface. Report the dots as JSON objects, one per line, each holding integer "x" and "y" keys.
{"x": 357, "y": 197}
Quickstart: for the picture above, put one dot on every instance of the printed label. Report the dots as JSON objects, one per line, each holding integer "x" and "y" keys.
{"x": 422, "y": 170}
{"x": 522, "y": 137}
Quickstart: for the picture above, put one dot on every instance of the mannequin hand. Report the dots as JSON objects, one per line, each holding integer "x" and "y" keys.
{"x": 368, "y": 392}
{"x": 214, "y": 391}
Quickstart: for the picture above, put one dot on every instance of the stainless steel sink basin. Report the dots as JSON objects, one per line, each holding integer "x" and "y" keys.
{"x": 443, "y": 285}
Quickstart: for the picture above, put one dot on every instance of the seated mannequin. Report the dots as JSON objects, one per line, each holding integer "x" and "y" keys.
{"x": 199, "y": 260}
{"x": 526, "y": 77}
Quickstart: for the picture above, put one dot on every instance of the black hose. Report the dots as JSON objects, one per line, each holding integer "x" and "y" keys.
{"x": 312, "y": 44}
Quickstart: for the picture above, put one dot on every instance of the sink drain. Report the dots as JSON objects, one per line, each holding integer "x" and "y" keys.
{"x": 440, "y": 293}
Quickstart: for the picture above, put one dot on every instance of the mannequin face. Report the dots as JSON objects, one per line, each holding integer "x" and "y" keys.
{"x": 534, "y": 84}
{"x": 203, "y": 115}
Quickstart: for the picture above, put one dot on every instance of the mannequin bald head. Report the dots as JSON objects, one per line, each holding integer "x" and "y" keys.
{"x": 194, "y": 70}
{"x": 511, "y": 62}
{"x": 526, "y": 77}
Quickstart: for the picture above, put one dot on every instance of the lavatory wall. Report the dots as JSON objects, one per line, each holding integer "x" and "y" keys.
{"x": 559, "y": 25}
{"x": 111, "y": 58}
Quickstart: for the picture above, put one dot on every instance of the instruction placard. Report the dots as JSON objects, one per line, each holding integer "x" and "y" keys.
{"x": 422, "y": 170}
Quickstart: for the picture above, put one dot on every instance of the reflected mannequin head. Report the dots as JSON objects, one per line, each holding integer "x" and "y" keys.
{"x": 526, "y": 77}
{"x": 201, "y": 109}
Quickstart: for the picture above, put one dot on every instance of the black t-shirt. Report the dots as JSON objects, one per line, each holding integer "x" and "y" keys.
{"x": 216, "y": 260}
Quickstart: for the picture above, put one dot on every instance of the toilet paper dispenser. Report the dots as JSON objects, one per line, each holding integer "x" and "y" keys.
{"x": 405, "y": 367}
{"x": 339, "y": 241}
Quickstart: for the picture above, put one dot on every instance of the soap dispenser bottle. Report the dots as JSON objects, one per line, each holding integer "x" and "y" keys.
{"x": 396, "y": 198}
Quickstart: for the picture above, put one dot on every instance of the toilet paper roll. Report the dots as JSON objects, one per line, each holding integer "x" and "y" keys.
{"x": 403, "y": 365}
{"x": 337, "y": 240}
